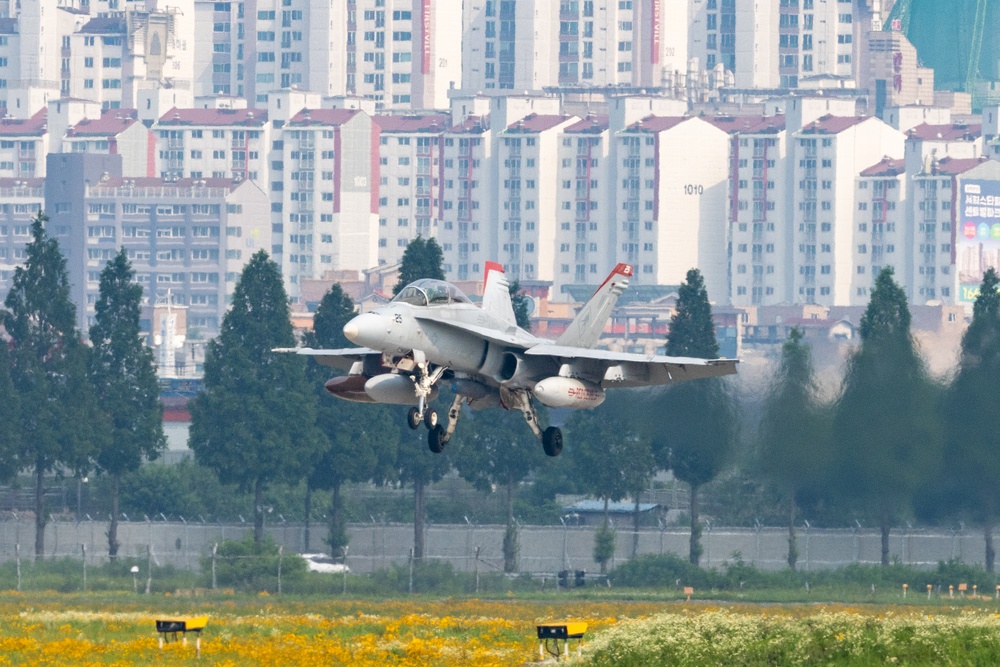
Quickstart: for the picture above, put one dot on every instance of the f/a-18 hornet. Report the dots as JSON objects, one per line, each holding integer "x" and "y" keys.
{"x": 431, "y": 335}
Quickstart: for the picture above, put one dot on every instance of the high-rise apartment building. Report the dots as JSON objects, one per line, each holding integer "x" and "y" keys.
{"x": 214, "y": 143}
{"x": 759, "y": 231}
{"x": 671, "y": 209}
{"x": 880, "y": 231}
{"x": 409, "y": 188}
{"x": 328, "y": 194}
{"x": 828, "y": 155}
{"x": 20, "y": 200}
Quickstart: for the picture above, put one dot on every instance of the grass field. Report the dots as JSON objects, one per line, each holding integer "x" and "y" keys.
{"x": 644, "y": 628}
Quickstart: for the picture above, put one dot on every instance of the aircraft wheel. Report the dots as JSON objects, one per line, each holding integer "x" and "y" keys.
{"x": 431, "y": 418}
{"x": 435, "y": 439}
{"x": 413, "y": 418}
{"x": 552, "y": 441}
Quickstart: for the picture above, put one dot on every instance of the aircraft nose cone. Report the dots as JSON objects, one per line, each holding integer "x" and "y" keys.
{"x": 364, "y": 329}
{"x": 351, "y": 331}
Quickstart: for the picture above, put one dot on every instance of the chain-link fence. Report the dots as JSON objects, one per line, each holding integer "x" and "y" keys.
{"x": 543, "y": 549}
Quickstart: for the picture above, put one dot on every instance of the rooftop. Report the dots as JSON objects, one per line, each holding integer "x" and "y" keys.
{"x": 589, "y": 125}
{"x": 657, "y": 123}
{"x": 250, "y": 117}
{"x": 887, "y": 167}
{"x": 111, "y": 122}
{"x": 748, "y": 124}
{"x": 472, "y": 125}
{"x": 954, "y": 166}
{"x": 952, "y": 132}
{"x": 104, "y": 26}
{"x": 331, "y": 117}
{"x": 428, "y": 123}
{"x": 35, "y": 126}
{"x": 537, "y": 123}
{"x": 833, "y": 124}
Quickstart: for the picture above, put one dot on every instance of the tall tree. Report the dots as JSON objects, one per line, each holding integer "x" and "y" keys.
{"x": 792, "y": 438}
{"x": 124, "y": 372}
{"x": 700, "y": 417}
{"x": 611, "y": 458}
{"x": 255, "y": 421}
{"x": 356, "y": 443}
{"x": 972, "y": 440}
{"x": 58, "y": 419}
{"x": 9, "y": 416}
{"x": 421, "y": 259}
{"x": 497, "y": 452}
{"x": 418, "y": 466}
{"x": 886, "y": 425}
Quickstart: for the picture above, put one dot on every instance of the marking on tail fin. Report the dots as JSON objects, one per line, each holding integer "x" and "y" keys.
{"x": 586, "y": 329}
{"x": 496, "y": 294}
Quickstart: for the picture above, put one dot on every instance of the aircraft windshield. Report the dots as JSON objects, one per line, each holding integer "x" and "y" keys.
{"x": 431, "y": 292}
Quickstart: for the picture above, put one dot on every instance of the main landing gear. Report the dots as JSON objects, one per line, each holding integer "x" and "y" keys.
{"x": 520, "y": 399}
{"x": 424, "y": 378}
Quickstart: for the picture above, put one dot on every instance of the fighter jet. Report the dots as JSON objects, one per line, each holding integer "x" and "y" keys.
{"x": 432, "y": 335}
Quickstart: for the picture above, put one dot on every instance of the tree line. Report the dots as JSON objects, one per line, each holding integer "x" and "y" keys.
{"x": 893, "y": 444}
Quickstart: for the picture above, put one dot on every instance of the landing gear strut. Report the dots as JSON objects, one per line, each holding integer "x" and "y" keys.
{"x": 424, "y": 378}
{"x": 438, "y": 436}
{"x": 520, "y": 399}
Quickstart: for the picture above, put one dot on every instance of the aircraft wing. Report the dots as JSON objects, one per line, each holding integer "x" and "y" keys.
{"x": 343, "y": 358}
{"x": 625, "y": 369}
{"x": 505, "y": 337}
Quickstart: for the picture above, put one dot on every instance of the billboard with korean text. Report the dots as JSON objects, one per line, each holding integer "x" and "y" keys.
{"x": 978, "y": 235}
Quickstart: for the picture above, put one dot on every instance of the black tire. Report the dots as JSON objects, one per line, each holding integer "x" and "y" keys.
{"x": 431, "y": 418}
{"x": 435, "y": 439}
{"x": 413, "y": 418}
{"x": 552, "y": 441}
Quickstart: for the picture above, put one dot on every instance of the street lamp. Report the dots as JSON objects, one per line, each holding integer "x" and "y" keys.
{"x": 135, "y": 578}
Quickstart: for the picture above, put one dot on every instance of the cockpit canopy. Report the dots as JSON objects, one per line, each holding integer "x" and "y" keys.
{"x": 430, "y": 292}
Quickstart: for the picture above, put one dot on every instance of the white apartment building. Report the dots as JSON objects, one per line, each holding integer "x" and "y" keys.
{"x": 672, "y": 210}
{"x": 759, "y": 229}
{"x": 881, "y": 228}
{"x": 585, "y": 237}
{"x": 712, "y": 33}
{"x": 23, "y": 145}
{"x": 828, "y": 154}
{"x": 116, "y": 132}
{"x": 781, "y": 42}
{"x": 529, "y": 197}
{"x": 409, "y": 186}
{"x": 940, "y": 252}
{"x": 528, "y": 45}
{"x": 467, "y": 228}
{"x": 20, "y": 200}
{"x": 328, "y": 194}
{"x": 214, "y": 143}
{"x": 98, "y": 53}
{"x": 925, "y": 142}
{"x": 249, "y": 49}
{"x": 404, "y": 54}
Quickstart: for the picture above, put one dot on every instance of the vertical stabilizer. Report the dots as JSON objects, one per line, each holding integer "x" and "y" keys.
{"x": 496, "y": 294}
{"x": 586, "y": 329}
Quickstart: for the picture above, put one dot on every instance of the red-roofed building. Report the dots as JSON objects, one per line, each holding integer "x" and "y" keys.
{"x": 758, "y": 186}
{"x": 326, "y": 200}
{"x": 117, "y": 131}
{"x": 671, "y": 201}
{"x": 926, "y": 142}
{"x": 880, "y": 225}
{"x": 410, "y": 182}
{"x": 214, "y": 143}
{"x": 530, "y": 199}
{"x": 831, "y": 256}
{"x": 23, "y": 145}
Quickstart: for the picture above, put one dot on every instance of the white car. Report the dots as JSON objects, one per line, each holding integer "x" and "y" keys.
{"x": 324, "y": 563}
